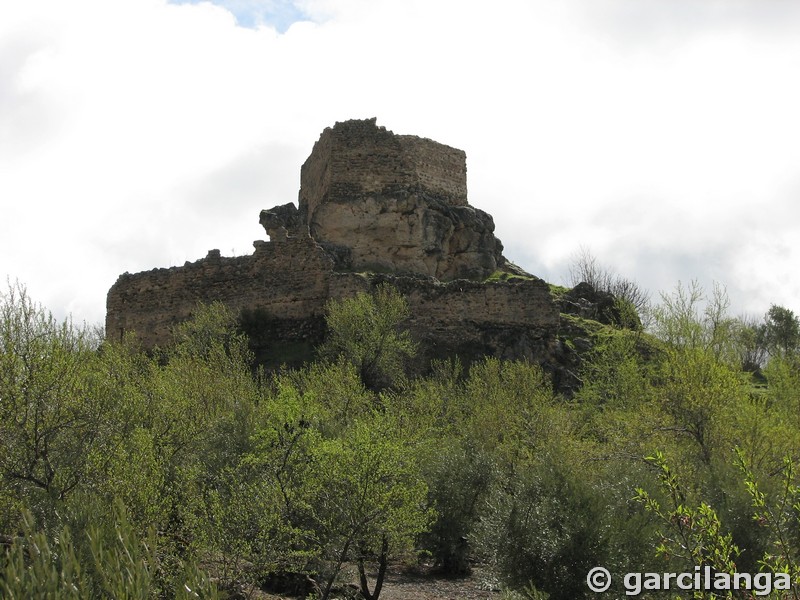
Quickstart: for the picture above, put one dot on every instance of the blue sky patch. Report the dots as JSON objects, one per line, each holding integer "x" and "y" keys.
{"x": 280, "y": 14}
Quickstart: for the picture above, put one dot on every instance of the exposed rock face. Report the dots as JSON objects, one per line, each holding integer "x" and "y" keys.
{"x": 395, "y": 206}
{"x": 588, "y": 303}
{"x": 279, "y": 221}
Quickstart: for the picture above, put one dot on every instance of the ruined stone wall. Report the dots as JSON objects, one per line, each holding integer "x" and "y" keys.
{"x": 315, "y": 176}
{"x": 439, "y": 170}
{"x": 287, "y": 284}
{"x": 286, "y": 280}
{"x": 511, "y": 320}
{"x": 365, "y": 160}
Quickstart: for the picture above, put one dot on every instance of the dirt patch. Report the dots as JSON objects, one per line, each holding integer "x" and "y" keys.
{"x": 423, "y": 584}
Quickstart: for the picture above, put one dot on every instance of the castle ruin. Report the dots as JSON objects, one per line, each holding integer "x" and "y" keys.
{"x": 373, "y": 207}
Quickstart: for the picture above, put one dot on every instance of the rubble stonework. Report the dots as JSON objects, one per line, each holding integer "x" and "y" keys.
{"x": 374, "y": 207}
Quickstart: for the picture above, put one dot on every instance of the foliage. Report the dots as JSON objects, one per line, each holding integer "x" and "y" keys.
{"x": 690, "y": 535}
{"x": 117, "y": 562}
{"x": 693, "y": 536}
{"x": 546, "y": 529}
{"x": 52, "y": 417}
{"x": 689, "y": 319}
{"x": 372, "y": 499}
{"x": 127, "y": 471}
{"x": 621, "y": 371}
{"x": 696, "y": 391}
{"x": 459, "y": 476}
{"x": 782, "y": 331}
{"x": 780, "y": 516}
{"x": 337, "y": 393}
{"x": 783, "y": 389}
{"x": 365, "y": 331}
{"x": 752, "y": 344}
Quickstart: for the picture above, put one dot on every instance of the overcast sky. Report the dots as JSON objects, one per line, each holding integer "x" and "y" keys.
{"x": 663, "y": 135}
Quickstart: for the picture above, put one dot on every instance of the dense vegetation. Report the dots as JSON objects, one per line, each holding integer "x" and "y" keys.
{"x": 183, "y": 473}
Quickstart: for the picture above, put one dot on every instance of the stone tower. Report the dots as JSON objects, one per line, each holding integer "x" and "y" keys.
{"x": 391, "y": 203}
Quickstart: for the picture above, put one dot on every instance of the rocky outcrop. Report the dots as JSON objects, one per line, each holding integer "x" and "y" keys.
{"x": 588, "y": 303}
{"x": 280, "y": 221}
{"x": 409, "y": 234}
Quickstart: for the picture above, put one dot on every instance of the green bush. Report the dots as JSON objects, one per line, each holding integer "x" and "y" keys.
{"x": 547, "y": 528}
{"x": 458, "y": 478}
{"x": 113, "y": 561}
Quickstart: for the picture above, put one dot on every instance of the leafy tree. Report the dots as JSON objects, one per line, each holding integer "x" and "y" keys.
{"x": 481, "y": 429}
{"x": 620, "y": 371}
{"x": 753, "y": 344}
{"x": 546, "y": 526}
{"x": 436, "y": 403}
{"x": 689, "y": 536}
{"x": 507, "y": 410}
{"x": 182, "y": 422}
{"x": 697, "y": 392}
{"x": 764, "y": 429}
{"x": 51, "y": 417}
{"x": 699, "y": 379}
{"x": 283, "y": 454}
{"x": 366, "y": 331}
{"x": 459, "y": 477}
{"x": 212, "y": 332}
{"x": 335, "y": 394}
{"x": 783, "y": 331}
{"x": 372, "y": 500}
{"x": 689, "y": 319}
{"x": 783, "y": 388}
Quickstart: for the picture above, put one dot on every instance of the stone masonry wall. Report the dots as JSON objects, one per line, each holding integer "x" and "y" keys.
{"x": 438, "y": 169}
{"x": 289, "y": 283}
{"x": 287, "y": 280}
{"x": 512, "y": 320}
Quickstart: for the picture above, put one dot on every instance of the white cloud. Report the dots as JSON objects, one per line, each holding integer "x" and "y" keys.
{"x": 137, "y": 133}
